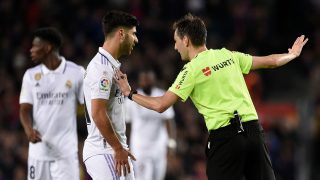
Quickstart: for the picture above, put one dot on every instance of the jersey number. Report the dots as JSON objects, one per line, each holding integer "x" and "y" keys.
{"x": 32, "y": 172}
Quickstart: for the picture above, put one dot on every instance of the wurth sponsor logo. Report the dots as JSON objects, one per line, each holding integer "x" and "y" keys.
{"x": 206, "y": 71}
{"x": 222, "y": 65}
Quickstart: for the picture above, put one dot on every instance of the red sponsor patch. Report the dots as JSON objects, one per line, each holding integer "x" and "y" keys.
{"x": 206, "y": 71}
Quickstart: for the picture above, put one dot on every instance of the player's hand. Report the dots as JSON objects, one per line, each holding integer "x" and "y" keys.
{"x": 297, "y": 46}
{"x": 121, "y": 161}
{"x": 122, "y": 81}
{"x": 33, "y": 135}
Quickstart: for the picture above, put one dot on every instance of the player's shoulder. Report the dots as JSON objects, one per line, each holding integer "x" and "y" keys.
{"x": 33, "y": 73}
{"x": 34, "y": 70}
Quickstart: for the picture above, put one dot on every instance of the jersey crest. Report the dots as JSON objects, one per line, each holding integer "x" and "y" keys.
{"x": 68, "y": 84}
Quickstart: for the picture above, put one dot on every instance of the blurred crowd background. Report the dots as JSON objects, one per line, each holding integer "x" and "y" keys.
{"x": 287, "y": 99}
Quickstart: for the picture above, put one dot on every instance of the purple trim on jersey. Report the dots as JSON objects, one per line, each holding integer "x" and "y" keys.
{"x": 105, "y": 58}
{"x": 111, "y": 166}
{"x": 65, "y": 67}
{"x": 102, "y": 60}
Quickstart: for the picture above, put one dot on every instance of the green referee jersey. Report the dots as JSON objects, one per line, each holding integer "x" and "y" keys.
{"x": 214, "y": 81}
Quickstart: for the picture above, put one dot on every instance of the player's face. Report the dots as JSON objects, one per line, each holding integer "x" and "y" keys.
{"x": 180, "y": 46}
{"x": 38, "y": 50}
{"x": 130, "y": 40}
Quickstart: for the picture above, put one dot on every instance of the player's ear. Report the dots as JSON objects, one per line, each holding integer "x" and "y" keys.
{"x": 48, "y": 47}
{"x": 121, "y": 33}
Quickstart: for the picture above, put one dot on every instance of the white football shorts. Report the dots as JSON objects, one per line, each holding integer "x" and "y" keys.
{"x": 102, "y": 167}
{"x": 65, "y": 168}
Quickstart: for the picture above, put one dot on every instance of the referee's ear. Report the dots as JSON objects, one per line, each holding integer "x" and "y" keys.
{"x": 186, "y": 40}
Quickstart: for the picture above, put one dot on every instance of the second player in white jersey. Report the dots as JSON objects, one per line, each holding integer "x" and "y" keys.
{"x": 48, "y": 108}
{"x": 53, "y": 95}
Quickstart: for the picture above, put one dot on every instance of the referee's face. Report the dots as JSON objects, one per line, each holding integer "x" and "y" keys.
{"x": 180, "y": 47}
{"x": 38, "y": 50}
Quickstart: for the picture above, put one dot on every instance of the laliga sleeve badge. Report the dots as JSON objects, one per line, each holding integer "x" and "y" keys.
{"x": 104, "y": 84}
{"x": 68, "y": 84}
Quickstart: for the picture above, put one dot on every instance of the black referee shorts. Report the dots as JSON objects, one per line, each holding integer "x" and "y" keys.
{"x": 238, "y": 156}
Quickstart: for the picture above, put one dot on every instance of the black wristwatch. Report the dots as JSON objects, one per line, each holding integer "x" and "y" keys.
{"x": 132, "y": 92}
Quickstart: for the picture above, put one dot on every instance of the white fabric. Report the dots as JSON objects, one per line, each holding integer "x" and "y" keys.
{"x": 101, "y": 167}
{"x": 65, "y": 168}
{"x": 54, "y": 95}
{"x": 99, "y": 84}
{"x": 149, "y": 137}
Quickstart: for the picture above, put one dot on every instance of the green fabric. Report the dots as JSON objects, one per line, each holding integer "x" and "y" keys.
{"x": 214, "y": 81}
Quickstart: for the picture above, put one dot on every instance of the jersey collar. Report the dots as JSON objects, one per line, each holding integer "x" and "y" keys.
{"x": 61, "y": 68}
{"x": 107, "y": 55}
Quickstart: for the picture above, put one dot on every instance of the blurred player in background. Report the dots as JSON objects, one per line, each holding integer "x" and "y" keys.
{"x": 48, "y": 103}
{"x": 152, "y": 133}
{"x": 106, "y": 153}
{"x": 213, "y": 79}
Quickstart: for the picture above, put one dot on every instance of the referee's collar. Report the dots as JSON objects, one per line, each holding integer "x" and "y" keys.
{"x": 109, "y": 57}
{"x": 61, "y": 68}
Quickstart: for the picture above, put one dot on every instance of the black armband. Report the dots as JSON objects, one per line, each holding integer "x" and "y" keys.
{"x": 132, "y": 92}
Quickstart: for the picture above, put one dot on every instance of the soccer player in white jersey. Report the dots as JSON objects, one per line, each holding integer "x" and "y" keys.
{"x": 106, "y": 154}
{"x": 48, "y": 102}
{"x": 152, "y": 133}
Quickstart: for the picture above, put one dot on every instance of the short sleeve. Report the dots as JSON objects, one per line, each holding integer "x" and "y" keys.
{"x": 184, "y": 83}
{"x": 26, "y": 92}
{"x": 244, "y": 60}
{"x": 100, "y": 82}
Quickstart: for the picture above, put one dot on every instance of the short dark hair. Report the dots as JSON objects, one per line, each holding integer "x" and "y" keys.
{"x": 114, "y": 19}
{"x": 193, "y": 27}
{"x": 49, "y": 34}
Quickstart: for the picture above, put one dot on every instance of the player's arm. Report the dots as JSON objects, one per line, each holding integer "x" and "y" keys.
{"x": 26, "y": 121}
{"x": 104, "y": 125}
{"x": 277, "y": 60}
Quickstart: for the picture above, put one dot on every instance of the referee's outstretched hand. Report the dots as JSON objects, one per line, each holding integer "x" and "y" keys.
{"x": 122, "y": 82}
{"x": 297, "y": 46}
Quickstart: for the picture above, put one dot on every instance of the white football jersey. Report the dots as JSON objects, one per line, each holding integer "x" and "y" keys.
{"x": 148, "y": 130}
{"x": 54, "y": 95}
{"x": 98, "y": 84}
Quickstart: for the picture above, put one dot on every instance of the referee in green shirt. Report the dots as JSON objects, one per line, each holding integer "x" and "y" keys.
{"x": 213, "y": 79}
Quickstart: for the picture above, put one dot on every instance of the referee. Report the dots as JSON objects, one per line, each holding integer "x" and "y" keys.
{"x": 213, "y": 79}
